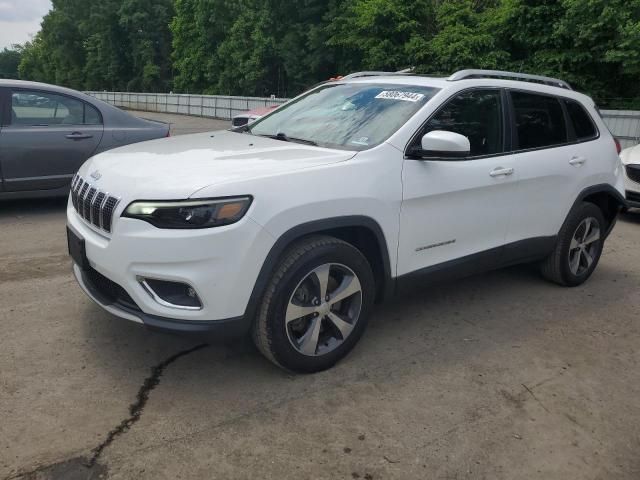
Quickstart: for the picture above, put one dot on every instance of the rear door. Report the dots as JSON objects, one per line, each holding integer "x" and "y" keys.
{"x": 549, "y": 164}
{"x": 46, "y": 140}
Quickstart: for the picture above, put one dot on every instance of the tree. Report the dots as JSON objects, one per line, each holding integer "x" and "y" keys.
{"x": 263, "y": 47}
{"x": 9, "y": 61}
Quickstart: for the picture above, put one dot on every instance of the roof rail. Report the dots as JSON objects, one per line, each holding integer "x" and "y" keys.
{"x": 466, "y": 74}
{"x": 406, "y": 71}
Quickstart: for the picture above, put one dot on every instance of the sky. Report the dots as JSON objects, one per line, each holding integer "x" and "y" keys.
{"x": 20, "y": 19}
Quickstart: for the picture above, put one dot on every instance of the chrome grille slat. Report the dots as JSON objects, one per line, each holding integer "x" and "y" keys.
{"x": 86, "y": 206}
{"x": 93, "y": 205}
{"x": 95, "y": 208}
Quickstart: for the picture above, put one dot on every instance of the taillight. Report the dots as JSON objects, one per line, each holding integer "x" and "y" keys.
{"x": 618, "y": 146}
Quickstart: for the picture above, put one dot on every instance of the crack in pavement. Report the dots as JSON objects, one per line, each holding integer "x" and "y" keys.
{"x": 81, "y": 468}
{"x": 136, "y": 408}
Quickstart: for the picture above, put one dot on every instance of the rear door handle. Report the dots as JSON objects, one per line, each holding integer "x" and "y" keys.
{"x": 78, "y": 136}
{"x": 577, "y": 161}
{"x": 501, "y": 172}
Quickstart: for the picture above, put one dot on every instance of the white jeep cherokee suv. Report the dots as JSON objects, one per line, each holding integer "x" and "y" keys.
{"x": 292, "y": 227}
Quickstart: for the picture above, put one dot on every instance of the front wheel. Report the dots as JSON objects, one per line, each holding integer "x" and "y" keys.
{"x": 578, "y": 249}
{"x": 316, "y": 305}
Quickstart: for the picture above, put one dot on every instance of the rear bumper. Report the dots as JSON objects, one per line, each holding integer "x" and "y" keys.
{"x": 215, "y": 329}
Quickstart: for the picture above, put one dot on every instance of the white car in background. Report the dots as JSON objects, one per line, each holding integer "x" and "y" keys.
{"x": 631, "y": 161}
{"x": 251, "y": 116}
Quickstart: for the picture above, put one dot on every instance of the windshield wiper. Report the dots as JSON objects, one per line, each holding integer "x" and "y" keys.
{"x": 285, "y": 138}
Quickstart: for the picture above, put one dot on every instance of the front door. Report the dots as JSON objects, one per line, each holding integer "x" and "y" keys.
{"x": 455, "y": 208}
{"x": 47, "y": 139}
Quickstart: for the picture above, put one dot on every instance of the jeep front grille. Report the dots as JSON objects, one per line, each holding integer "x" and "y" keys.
{"x": 93, "y": 205}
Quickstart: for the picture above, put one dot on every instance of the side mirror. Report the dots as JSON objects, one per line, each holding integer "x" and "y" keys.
{"x": 443, "y": 144}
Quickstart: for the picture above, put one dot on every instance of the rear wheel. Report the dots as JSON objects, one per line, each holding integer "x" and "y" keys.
{"x": 578, "y": 248}
{"x": 316, "y": 305}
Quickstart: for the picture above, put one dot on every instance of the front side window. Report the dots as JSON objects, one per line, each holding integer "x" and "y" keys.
{"x": 40, "y": 108}
{"x": 582, "y": 123}
{"x": 539, "y": 121}
{"x": 351, "y": 116}
{"x": 477, "y": 115}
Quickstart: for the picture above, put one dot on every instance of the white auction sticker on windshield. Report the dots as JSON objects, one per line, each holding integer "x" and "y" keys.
{"x": 398, "y": 95}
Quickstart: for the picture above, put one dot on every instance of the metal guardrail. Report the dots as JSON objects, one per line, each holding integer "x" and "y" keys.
{"x": 210, "y": 106}
{"x": 624, "y": 124}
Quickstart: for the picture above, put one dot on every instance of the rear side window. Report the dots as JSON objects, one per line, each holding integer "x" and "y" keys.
{"x": 91, "y": 115}
{"x": 539, "y": 121}
{"x": 478, "y": 116}
{"x": 582, "y": 123}
{"x": 30, "y": 108}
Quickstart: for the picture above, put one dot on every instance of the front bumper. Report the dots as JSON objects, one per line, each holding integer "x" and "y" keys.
{"x": 227, "y": 328}
{"x": 632, "y": 187}
{"x": 221, "y": 264}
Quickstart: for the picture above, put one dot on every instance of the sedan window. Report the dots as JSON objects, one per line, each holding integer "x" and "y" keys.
{"x": 40, "y": 108}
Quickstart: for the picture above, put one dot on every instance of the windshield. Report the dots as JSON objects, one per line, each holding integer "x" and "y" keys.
{"x": 352, "y": 116}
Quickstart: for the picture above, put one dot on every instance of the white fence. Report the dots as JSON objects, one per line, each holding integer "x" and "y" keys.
{"x": 624, "y": 124}
{"x": 211, "y": 106}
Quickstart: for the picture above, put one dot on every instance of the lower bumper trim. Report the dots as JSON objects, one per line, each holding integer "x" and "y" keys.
{"x": 212, "y": 329}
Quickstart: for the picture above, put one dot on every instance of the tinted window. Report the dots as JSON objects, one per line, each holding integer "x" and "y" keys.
{"x": 582, "y": 123}
{"x": 91, "y": 115}
{"x": 539, "y": 120}
{"x": 477, "y": 115}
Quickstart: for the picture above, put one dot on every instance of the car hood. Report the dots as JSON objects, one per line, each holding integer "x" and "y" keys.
{"x": 178, "y": 167}
{"x": 631, "y": 155}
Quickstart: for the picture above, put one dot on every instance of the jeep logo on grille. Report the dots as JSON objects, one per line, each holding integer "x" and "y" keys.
{"x": 96, "y": 175}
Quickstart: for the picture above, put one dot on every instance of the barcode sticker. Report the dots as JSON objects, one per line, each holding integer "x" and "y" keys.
{"x": 398, "y": 95}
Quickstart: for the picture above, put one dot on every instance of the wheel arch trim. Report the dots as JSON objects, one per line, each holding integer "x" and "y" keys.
{"x": 596, "y": 189}
{"x": 319, "y": 226}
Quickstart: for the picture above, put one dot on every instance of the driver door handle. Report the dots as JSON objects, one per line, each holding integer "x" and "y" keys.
{"x": 501, "y": 172}
{"x": 78, "y": 136}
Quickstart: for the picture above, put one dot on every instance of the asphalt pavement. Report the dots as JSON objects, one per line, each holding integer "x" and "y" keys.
{"x": 497, "y": 376}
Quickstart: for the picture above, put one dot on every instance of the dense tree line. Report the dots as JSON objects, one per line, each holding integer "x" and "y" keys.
{"x": 281, "y": 47}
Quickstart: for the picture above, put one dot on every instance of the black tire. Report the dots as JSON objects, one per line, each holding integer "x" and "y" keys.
{"x": 270, "y": 331}
{"x": 556, "y": 267}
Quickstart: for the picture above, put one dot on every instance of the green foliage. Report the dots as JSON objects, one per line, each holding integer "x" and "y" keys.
{"x": 281, "y": 47}
{"x": 100, "y": 44}
{"x": 9, "y": 62}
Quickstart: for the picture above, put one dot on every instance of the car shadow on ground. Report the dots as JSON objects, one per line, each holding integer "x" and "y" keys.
{"x": 453, "y": 320}
{"x": 631, "y": 216}
{"x": 32, "y": 207}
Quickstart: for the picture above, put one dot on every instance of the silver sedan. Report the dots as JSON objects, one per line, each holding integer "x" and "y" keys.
{"x": 47, "y": 132}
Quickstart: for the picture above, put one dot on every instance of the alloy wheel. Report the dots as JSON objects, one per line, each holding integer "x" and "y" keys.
{"x": 584, "y": 246}
{"x": 323, "y": 309}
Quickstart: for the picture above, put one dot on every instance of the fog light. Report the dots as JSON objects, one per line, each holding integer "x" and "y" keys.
{"x": 172, "y": 294}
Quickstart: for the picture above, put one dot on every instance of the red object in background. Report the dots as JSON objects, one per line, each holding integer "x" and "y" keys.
{"x": 261, "y": 111}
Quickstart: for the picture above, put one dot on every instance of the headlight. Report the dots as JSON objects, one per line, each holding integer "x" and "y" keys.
{"x": 190, "y": 213}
